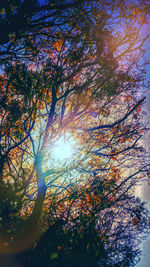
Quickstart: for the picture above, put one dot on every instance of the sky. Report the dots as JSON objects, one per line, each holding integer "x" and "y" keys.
{"x": 144, "y": 190}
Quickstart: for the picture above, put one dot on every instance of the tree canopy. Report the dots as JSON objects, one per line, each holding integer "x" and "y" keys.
{"x": 70, "y": 129}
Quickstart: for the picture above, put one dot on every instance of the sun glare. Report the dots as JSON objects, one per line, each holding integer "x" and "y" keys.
{"x": 64, "y": 149}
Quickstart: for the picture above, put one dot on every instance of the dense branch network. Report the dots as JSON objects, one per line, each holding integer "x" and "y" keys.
{"x": 70, "y": 71}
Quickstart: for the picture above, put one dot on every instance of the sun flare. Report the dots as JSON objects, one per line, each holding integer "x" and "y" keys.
{"x": 64, "y": 149}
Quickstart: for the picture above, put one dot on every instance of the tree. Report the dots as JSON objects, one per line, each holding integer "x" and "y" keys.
{"x": 74, "y": 80}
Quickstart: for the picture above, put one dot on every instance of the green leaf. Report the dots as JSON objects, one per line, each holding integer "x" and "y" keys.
{"x": 53, "y": 256}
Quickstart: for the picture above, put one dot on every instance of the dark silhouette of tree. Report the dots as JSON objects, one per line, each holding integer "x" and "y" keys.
{"x": 71, "y": 75}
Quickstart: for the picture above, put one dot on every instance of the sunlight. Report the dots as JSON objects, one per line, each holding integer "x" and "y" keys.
{"x": 64, "y": 148}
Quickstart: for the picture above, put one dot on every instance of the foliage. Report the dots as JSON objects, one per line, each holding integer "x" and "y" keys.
{"x": 71, "y": 70}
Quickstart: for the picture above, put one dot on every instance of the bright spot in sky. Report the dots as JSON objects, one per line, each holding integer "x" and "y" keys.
{"x": 64, "y": 148}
